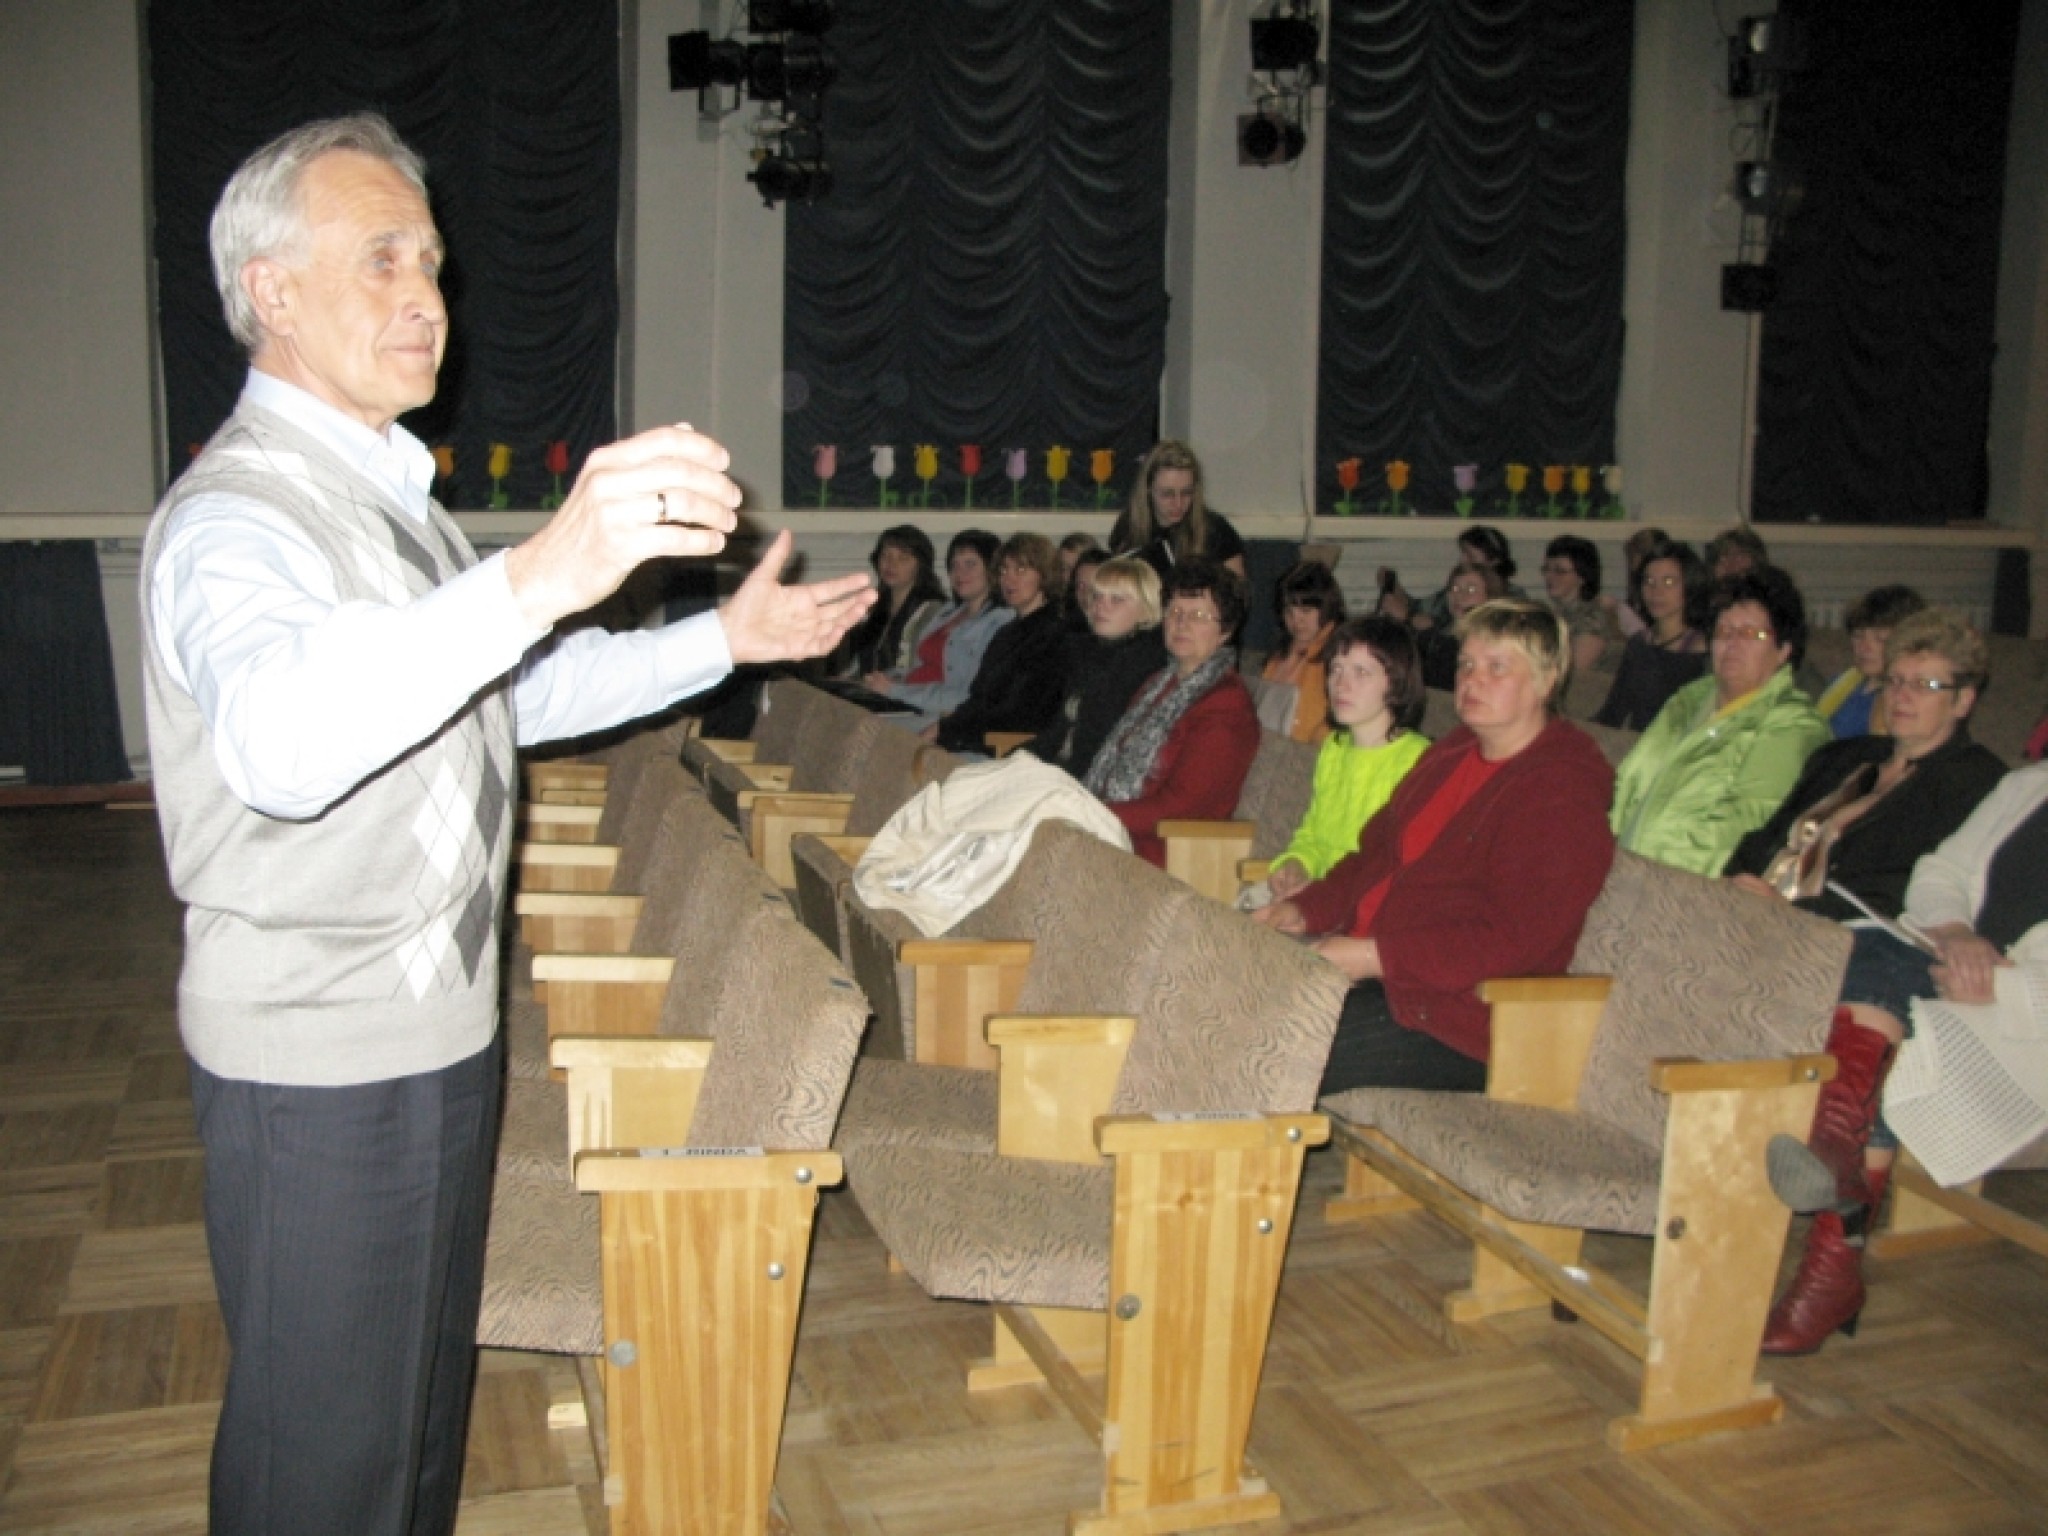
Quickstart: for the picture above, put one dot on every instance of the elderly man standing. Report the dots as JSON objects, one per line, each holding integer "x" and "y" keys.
{"x": 335, "y": 687}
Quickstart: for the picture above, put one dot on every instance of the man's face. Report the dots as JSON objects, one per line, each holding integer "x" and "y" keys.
{"x": 354, "y": 314}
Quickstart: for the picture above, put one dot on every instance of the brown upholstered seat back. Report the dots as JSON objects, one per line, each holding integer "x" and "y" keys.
{"x": 1277, "y": 791}
{"x": 1700, "y": 969}
{"x": 651, "y": 789}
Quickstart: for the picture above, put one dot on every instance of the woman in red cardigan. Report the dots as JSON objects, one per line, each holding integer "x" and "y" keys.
{"x": 1186, "y": 742}
{"x": 1482, "y": 865}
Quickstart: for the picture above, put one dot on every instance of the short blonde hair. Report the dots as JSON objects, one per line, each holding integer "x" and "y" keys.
{"x": 1127, "y": 573}
{"x": 1542, "y": 637}
{"x": 1945, "y": 633}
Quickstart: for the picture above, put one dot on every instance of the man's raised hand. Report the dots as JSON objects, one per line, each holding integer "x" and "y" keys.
{"x": 766, "y": 621}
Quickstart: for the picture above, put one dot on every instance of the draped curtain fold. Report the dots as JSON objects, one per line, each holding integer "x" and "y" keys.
{"x": 60, "y": 716}
{"x": 515, "y": 106}
{"x": 1473, "y": 238}
{"x": 1874, "y": 394}
{"x": 989, "y": 267}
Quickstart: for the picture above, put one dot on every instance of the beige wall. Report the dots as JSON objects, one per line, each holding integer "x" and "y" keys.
{"x": 76, "y": 373}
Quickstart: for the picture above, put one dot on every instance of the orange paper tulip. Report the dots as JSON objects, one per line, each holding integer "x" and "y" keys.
{"x": 1102, "y": 464}
{"x": 444, "y": 461}
{"x": 1553, "y": 479}
{"x": 1397, "y": 475}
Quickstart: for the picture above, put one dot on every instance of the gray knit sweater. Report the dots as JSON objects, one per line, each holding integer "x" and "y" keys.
{"x": 360, "y": 944}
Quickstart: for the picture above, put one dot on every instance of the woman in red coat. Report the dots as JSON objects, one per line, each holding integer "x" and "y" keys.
{"x": 1482, "y": 865}
{"x": 1185, "y": 744}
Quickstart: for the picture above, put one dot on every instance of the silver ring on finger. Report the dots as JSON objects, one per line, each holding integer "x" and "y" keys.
{"x": 662, "y": 516}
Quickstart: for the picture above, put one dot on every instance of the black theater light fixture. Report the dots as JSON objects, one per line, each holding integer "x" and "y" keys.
{"x": 1284, "y": 42}
{"x": 697, "y": 62}
{"x": 809, "y": 17}
{"x": 796, "y": 67}
{"x": 1266, "y": 140}
{"x": 781, "y": 176}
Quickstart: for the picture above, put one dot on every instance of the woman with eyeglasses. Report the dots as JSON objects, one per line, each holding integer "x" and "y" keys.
{"x": 1668, "y": 592}
{"x": 1870, "y": 806}
{"x": 1185, "y": 744}
{"x": 1721, "y": 756}
{"x": 1107, "y": 666}
{"x": 1571, "y": 588}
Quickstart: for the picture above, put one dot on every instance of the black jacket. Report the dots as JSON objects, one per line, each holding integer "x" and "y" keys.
{"x": 1877, "y": 851}
{"x": 1105, "y": 676}
{"x": 1022, "y": 678}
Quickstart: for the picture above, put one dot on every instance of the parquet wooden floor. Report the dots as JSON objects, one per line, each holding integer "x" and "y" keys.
{"x": 1376, "y": 1416}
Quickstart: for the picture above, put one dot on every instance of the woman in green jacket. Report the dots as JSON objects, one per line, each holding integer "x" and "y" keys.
{"x": 1374, "y": 679}
{"x": 1725, "y": 751}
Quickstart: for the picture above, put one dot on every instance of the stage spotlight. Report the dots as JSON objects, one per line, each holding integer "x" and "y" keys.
{"x": 1765, "y": 189}
{"x": 1776, "y": 43}
{"x": 695, "y": 62}
{"x": 810, "y": 17}
{"x": 1263, "y": 140}
{"x": 777, "y": 71}
{"x": 1283, "y": 42}
{"x": 783, "y": 178}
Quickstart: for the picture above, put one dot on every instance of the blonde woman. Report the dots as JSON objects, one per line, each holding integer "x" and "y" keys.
{"x": 1168, "y": 521}
{"x": 1107, "y": 666}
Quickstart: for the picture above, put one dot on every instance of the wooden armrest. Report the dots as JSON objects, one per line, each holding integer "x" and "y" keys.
{"x": 576, "y": 904}
{"x": 1207, "y": 1133}
{"x": 648, "y": 1054}
{"x": 1683, "y": 1074}
{"x": 1251, "y": 871}
{"x": 1208, "y": 829}
{"x": 791, "y": 802}
{"x": 732, "y": 751}
{"x": 1056, "y": 1078}
{"x": 588, "y": 855}
{"x": 1003, "y": 743}
{"x": 964, "y": 952}
{"x": 848, "y": 848}
{"x": 625, "y": 1171}
{"x": 1059, "y": 1029}
{"x": 567, "y": 775}
{"x": 545, "y": 796}
{"x": 767, "y": 775}
{"x": 560, "y": 815}
{"x": 627, "y": 968}
{"x": 1542, "y": 1033}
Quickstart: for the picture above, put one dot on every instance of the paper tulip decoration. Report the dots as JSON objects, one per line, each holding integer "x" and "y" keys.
{"x": 1582, "y": 489}
{"x": 1101, "y": 465}
{"x": 556, "y": 460}
{"x": 825, "y": 464}
{"x": 1016, "y": 465}
{"x": 970, "y": 466}
{"x": 1517, "y": 482}
{"x": 1056, "y": 461}
{"x": 885, "y": 471}
{"x": 1465, "y": 478}
{"x": 1397, "y": 482}
{"x": 1347, "y": 482}
{"x": 927, "y": 465}
{"x": 1553, "y": 482}
{"x": 1610, "y": 482}
{"x": 500, "y": 465}
{"x": 444, "y": 462}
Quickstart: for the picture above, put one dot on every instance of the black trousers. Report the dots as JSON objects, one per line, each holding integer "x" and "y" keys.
{"x": 346, "y": 1228}
{"x": 1372, "y": 1050}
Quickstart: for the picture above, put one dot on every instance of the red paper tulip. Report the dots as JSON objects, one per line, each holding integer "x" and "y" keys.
{"x": 970, "y": 459}
{"x": 1347, "y": 475}
{"x": 557, "y": 458}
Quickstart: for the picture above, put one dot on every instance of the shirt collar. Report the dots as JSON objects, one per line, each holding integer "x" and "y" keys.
{"x": 395, "y": 459}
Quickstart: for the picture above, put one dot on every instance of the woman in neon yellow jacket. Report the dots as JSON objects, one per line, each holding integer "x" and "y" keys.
{"x": 1376, "y": 702}
{"x": 1725, "y": 751}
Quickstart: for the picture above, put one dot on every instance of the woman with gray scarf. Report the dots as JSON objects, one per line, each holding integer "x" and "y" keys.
{"x": 1187, "y": 741}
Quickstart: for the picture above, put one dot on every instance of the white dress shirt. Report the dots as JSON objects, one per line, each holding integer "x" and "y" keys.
{"x": 307, "y": 696}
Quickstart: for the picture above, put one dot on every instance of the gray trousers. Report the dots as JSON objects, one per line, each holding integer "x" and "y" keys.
{"x": 346, "y": 1228}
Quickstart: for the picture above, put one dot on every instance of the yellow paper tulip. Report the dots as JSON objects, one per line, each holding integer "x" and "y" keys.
{"x": 1518, "y": 478}
{"x": 1056, "y": 460}
{"x": 1582, "y": 479}
{"x": 500, "y": 461}
{"x": 927, "y": 461}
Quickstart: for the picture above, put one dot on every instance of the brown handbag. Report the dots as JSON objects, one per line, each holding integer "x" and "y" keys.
{"x": 1800, "y": 870}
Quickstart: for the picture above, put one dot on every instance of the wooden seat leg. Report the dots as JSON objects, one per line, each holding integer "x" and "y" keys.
{"x": 1917, "y": 1225}
{"x": 1497, "y": 1286}
{"x": 1366, "y": 1194}
{"x": 1080, "y": 1335}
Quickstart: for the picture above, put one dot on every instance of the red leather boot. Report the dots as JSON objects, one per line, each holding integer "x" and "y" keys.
{"x": 1827, "y": 1293}
{"x": 1847, "y": 1107}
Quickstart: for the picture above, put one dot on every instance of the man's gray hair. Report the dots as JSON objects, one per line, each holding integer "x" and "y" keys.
{"x": 260, "y": 212}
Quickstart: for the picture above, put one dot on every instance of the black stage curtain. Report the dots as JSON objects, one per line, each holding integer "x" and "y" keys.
{"x": 990, "y": 266}
{"x": 514, "y": 104}
{"x": 1473, "y": 239}
{"x": 1874, "y": 394}
{"x": 60, "y": 717}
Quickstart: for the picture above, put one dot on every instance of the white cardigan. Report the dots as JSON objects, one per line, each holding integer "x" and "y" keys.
{"x": 1971, "y": 1087}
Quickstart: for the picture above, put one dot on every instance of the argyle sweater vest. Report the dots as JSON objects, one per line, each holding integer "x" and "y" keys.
{"x": 360, "y": 944}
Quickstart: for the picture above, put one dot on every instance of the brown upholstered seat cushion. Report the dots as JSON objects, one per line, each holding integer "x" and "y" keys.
{"x": 989, "y": 1229}
{"x": 1530, "y": 1164}
{"x": 900, "y": 1102}
{"x": 542, "y": 1285}
{"x": 526, "y": 1041}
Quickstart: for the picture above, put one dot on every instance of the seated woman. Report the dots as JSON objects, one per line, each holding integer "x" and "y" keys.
{"x": 1971, "y": 1087}
{"x": 950, "y": 652}
{"x": 1854, "y": 703}
{"x": 1483, "y": 864}
{"x": 886, "y": 640}
{"x": 1669, "y": 593}
{"x": 1376, "y": 702}
{"x": 1469, "y": 587}
{"x": 1478, "y": 547}
{"x": 1571, "y": 587}
{"x": 1311, "y": 607}
{"x": 1079, "y": 592}
{"x": 1865, "y": 809}
{"x": 1720, "y": 758}
{"x": 1185, "y": 744}
{"x": 1167, "y": 520}
{"x": 1106, "y": 669}
{"x": 1023, "y": 673}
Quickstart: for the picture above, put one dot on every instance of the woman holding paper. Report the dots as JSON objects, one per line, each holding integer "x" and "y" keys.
{"x": 1964, "y": 984}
